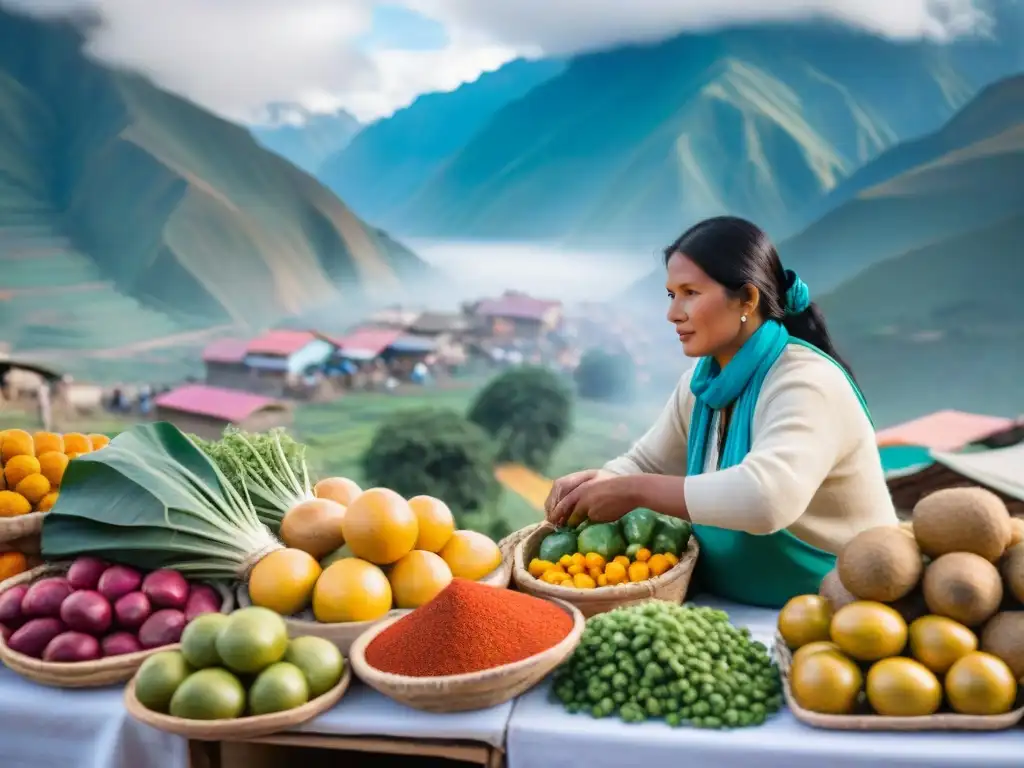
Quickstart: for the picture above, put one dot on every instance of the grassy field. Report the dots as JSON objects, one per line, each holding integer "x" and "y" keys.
{"x": 337, "y": 434}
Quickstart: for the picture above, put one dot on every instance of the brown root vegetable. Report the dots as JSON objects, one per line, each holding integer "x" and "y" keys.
{"x": 832, "y": 589}
{"x": 45, "y": 597}
{"x": 880, "y": 564}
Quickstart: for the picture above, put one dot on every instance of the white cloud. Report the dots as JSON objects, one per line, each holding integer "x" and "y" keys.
{"x": 237, "y": 56}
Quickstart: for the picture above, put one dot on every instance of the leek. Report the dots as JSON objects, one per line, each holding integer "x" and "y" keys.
{"x": 152, "y": 499}
{"x": 269, "y": 467}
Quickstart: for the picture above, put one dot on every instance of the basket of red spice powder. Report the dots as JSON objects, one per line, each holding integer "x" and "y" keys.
{"x": 471, "y": 647}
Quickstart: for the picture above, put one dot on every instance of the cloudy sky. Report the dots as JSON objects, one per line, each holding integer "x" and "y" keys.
{"x": 372, "y": 57}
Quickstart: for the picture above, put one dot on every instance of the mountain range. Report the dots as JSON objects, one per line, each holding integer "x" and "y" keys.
{"x": 622, "y": 149}
{"x": 305, "y": 138}
{"x": 128, "y": 213}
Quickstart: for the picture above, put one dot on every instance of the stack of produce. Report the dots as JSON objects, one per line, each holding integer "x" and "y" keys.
{"x": 640, "y": 546}
{"x": 99, "y": 610}
{"x": 917, "y": 620}
{"x": 685, "y": 664}
{"x": 243, "y": 664}
{"x": 354, "y": 555}
{"x": 467, "y": 628}
{"x": 33, "y": 467}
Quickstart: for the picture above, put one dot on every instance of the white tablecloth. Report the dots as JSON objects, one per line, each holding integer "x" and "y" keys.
{"x": 43, "y": 727}
{"x": 364, "y": 712}
{"x": 544, "y": 735}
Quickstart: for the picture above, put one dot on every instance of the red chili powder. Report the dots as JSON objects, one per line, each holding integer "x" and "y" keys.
{"x": 468, "y": 627}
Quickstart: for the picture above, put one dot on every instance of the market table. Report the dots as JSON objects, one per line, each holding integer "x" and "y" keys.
{"x": 543, "y": 735}
{"x": 367, "y": 721}
{"x": 42, "y": 727}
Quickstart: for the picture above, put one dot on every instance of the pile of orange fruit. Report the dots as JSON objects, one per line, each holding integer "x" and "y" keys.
{"x": 33, "y": 467}
{"x": 590, "y": 571}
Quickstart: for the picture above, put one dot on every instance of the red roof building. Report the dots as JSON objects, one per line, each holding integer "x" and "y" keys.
{"x": 226, "y": 351}
{"x": 518, "y": 315}
{"x": 280, "y": 343}
{"x": 206, "y": 410}
{"x": 366, "y": 343}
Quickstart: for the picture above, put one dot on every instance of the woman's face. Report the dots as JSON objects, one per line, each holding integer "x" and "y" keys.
{"x": 705, "y": 317}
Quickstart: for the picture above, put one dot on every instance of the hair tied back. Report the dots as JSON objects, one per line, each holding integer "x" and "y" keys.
{"x": 798, "y": 295}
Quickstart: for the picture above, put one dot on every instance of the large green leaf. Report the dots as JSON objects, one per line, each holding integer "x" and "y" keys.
{"x": 152, "y": 499}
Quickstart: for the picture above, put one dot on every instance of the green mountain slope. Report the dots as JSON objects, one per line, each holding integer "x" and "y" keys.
{"x": 128, "y": 213}
{"x": 390, "y": 161}
{"x": 308, "y": 141}
{"x": 939, "y": 327}
{"x": 963, "y": 177}
{"x": 628, "y": 147}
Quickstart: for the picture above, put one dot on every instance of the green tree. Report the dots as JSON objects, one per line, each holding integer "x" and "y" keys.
{"x": 609, "y": 376}
{"x": 528, "y": 412}
{"x": 436, "y": 452}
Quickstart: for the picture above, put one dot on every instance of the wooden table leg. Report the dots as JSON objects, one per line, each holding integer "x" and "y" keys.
{"x": 204, "y": 754}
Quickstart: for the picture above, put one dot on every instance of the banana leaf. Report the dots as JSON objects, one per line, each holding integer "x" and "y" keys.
{"x": 152, "y": 499}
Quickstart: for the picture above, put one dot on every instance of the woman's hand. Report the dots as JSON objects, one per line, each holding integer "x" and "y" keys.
{"x": 563, "y": 486}
{"x": 601, "y": 499}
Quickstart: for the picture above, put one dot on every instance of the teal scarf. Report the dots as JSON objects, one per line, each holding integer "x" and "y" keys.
{"x": 738, "y": 384}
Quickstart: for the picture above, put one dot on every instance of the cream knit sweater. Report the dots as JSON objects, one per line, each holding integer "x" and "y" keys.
{"x": 813, "y": 467}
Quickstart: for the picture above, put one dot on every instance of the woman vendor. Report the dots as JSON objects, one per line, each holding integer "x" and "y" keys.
{"x": 766, "y": 446}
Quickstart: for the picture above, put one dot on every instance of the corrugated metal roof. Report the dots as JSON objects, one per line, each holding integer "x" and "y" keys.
{"x": 279, "y": 343}
{"x": 366, "y": 342}
{"x": 227, "y": 404}
{"x": 225, "y": 351}
{"x": 943, "y": 430}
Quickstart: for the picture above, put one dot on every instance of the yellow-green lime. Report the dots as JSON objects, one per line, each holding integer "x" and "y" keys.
{"x": 159, "y": 677}
{"x": 279, "y": 687}
{"x": 320, "y": 661}
{"x": 209, "y": 694}
{"x": 199, "y": 640}
{"x": 252, "y": 640}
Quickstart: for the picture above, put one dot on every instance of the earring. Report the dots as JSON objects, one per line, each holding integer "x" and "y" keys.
{"x": 743, "y": 318}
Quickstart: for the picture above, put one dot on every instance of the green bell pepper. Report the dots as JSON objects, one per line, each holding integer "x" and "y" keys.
{"x": 638, "y": 526}
{"x": 603, "y": 538}
{"x": 671, "y": 535}
{"x": 557, "y": 543}
{"x": 587, "y": 522}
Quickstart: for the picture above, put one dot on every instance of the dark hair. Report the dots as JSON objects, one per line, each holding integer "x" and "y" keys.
{"x": 736, "y": 253}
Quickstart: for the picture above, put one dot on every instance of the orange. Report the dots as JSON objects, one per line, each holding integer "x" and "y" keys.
{"x": 901, "y": 687}
{"x": 380, "y": 526}
{"x": 47, "y": 441}
{"x": 33, "y": 488}
{"x": 811, "y": 648}
{"x": 283, "y": 581}
{"x": 13, "y": 504}
{"x": 826, "y": 682}
{"x": 435, "y": 520}
{"x": 52, "y": 465}
{"x": 46, "y": 503}
{"x": 471, "y": 555}
{"x": 980, "y": 684}
{"x": 16, "y": 442}
{"x": 76, "y": 442}
{"x": 351, "y": 590}
{"x": 339, "y": 489}
{"x": 98, "y": 441}
{"x": 937, "y": 642}
{"x": 11, "y": 564}
{"x": 19, "y": 467}
{"x": 805, "y": 619}
{"x": 417, "y": 578}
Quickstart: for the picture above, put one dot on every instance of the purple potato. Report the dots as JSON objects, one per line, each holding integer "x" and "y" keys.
{"x": 33, "y": 636}
{"x": 71, "y": 647}
{"x": 85, "y": 572}
{"x": 45, "y": 597}
{"x": 120, "y": 643}
{"x": 117, "y": 581}
{"x": 10, "y": 606}
{"x": 87, "y": 611}
{"x": 202, "y": 599}
{"x": 132, "y": 610}
{"x": 166, "y": 589}
{"x": 162, "y": 628}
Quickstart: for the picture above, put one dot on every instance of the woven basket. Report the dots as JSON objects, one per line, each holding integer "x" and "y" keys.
{"x": 80, "y": 674}
{"x": 671, "y": 586}
{"x": 463, "y": 693}
{"x": 27, "y": 545}
{"x": 30, "y": 525}
{"x": 942, "y": 721}
{"x": 344, "y": 634}
{"x": 240, "y": 728}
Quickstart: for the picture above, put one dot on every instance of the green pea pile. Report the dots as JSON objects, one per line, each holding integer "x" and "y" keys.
{"x": 684, "y": 663}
